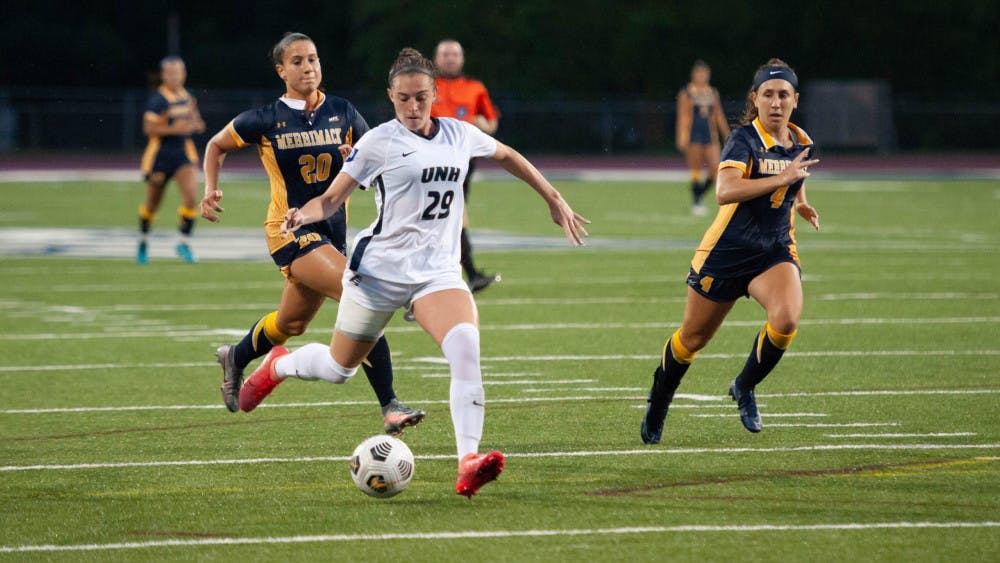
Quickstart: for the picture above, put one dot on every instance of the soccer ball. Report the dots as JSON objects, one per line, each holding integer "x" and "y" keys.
{"x": 382, "y": 466}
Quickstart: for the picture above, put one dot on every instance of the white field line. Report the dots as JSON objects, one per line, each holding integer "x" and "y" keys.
{"x": 883, "y": 392}
{"x": 554, "y": 358}
{"x": 295, "y": 405}
{"x": 537, "y": 381}
{"x": 82, "y": 367}
{"x": 770, "y": 415}
{"x": 648, "y": 357}
{"x": 220, "y": 333}
{"x": 946, "y": 296}
{"x": 486, "y": 375}
{"x": 491, "y": 534}
{"x": 831, "y": 424}
{"x": 451, "y": 457}
{"x": 168, "y": 332}
{"x": 687, "y": 406}
{"x": 927, "y": 435}
{"x": 703, "y": 398}
{"x": 467, "y": 535}
{"x": 587, "y": 389}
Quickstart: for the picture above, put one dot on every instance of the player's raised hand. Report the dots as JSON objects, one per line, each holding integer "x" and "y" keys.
{"x": 345, "y": 151}
{"x": 571, "y": 222}
{"x": 210, "y": 205}
{"x": 798, "y": 168}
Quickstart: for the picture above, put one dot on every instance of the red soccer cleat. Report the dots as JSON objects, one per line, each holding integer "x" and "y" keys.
{"x": 262, "y": 381}
{"x": 476, "y": 470}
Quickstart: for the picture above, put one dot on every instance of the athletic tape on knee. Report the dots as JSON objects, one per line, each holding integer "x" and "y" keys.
{"x": 361, "y": 324}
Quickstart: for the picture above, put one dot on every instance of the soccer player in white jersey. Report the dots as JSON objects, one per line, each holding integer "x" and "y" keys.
{"x": 409, "y": 256}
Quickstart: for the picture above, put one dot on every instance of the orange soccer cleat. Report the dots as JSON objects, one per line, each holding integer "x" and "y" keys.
{"x": 476, "y": 470}
{"x": 262, "y": 381}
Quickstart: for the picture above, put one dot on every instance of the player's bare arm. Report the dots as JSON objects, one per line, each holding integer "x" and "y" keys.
{"x": 805, "y": 210}
{"x": 156, "y": 126}
{"x": 732, "y": 187}
{"x": 720, "y": 117}
{"x": 562, "y": 214}
{"x": 321, "y": 207}
{"x": 215, "y": 153}
{"x": 684, "y": 109}
{"x": 197, "y": 123}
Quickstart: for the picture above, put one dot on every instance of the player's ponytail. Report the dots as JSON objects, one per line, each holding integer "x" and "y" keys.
{"x": 278, "y": 51}
{"x": 409, "y": 60}
{"x": 750, "y": 110}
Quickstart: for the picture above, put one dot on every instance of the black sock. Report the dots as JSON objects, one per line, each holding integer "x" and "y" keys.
{"x": 763, "y": 357}
{"x": 467, "y": 264}
{"x": 707, "y": 185}
{"x": 667, "y": 376}
{"x": 246, "y": 351}
{"x": 378, "y": 369}
{"x": 186, "y": 225}
{"x": 144, "y": 225}
{"x": 695, "y": 192}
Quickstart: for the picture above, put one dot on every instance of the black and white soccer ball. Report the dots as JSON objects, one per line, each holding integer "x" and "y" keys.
{"x": 382, "y": 466}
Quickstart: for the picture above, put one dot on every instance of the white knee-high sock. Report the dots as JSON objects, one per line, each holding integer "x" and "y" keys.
{"x": 312, "y": 362}
{"x": 461, "y": 348}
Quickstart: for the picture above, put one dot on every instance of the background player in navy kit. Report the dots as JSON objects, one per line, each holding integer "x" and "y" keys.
{"x": 750, "y": 248}
{"x": 409, "y": 255}
{"x": 170, "y": 119}
{"x": 700, "y": 126}
{"x": 300, "y": 138}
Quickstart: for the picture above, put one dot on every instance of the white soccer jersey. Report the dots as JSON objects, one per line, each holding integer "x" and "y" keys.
{"x": 418, "y": 195}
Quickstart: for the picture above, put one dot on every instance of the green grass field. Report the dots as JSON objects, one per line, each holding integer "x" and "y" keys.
{"x": 881, "y": 432}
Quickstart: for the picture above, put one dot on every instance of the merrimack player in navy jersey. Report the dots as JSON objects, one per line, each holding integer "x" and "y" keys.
{"x": 700, "y": 125}
{"x": 749, "y": 250}
{"x": 302, "y": 138}
{"x": 171, "y": 117}
{"x": 409, "y": 256}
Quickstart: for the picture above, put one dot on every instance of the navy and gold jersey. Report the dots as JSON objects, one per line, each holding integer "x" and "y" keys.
{"x": 299, "y": 153}
{"x": 702, "y": 108}
{"x": 164, "y": 153}
{"x": 750, "y": 236}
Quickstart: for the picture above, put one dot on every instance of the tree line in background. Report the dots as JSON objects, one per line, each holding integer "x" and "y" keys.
{"x": 585, "y": 49}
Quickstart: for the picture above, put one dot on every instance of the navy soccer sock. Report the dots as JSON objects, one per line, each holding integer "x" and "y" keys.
{"x": 185, "y": 216}
{"x": 675, "y": 363}
{"x": 466, "y": 260}
{"x": 768, "y": 348}
{"x": 378, "y": 369}
{"x": 263, "y": 336}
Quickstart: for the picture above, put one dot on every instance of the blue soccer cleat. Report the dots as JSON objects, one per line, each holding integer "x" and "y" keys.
{"x": 184, "y": 251}
{"x": 656, "y": 410}
{"x": 142, "y": 255}
{"x": 745, "y": 400}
